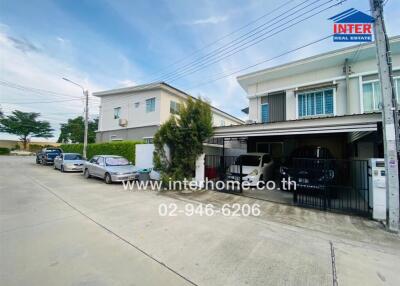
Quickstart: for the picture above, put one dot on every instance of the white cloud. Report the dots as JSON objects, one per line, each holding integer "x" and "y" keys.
{"x": 209, "y": 20}
{"x": 127, "y": 83}
{"x": 27, "y": 66}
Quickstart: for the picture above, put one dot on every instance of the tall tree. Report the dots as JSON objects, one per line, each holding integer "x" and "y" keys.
{"x": 74, "y": 131}
{"x": 25, "y": 125}
{"x": 184, "y": 135}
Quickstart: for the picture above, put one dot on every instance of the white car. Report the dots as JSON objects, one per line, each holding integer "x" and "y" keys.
{"x": 255, "y": 167}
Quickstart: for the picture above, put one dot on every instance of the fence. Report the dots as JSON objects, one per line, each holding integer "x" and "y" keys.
{"x": 332, "y": 184}
{"x": 326, "y": 184}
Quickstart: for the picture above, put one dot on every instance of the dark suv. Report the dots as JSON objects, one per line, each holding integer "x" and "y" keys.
{"x": 46, "y": 155}
{"x": 311, "y": 167}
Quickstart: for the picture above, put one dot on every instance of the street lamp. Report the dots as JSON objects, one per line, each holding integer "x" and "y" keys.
{"x": 86, "y": 95}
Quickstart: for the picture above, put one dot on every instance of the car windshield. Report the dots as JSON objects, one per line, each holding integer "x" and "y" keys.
{"x": 72, "y": 157}
{"x": 53, "y": 151}
{"x": 248, "y": 160}
{"x": 116, "y": 161}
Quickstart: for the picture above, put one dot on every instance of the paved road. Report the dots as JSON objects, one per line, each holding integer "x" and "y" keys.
{"x": 61, "y": 229}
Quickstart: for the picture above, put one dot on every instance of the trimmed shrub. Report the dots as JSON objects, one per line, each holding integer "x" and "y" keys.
{"x": 124, "y": 148}
{"x": 35, "y": 147}
{"x": 4, "y": 151}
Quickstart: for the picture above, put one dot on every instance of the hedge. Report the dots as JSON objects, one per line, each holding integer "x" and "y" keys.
{"x": 123, "y": 148}
{"x": 4, "y": 151}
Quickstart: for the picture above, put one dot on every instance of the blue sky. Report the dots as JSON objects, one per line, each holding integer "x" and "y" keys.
{"x": 107, "y": 44}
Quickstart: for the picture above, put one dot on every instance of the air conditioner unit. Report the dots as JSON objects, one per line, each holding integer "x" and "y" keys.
{"x": 123, "y": 122}
{"x": 250, "y": 121}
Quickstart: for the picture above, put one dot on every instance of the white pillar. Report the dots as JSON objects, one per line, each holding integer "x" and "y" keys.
{"x": 200, "y": 170}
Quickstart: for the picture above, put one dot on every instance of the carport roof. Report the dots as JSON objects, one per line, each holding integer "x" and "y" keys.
{"x": 334, "y": 124}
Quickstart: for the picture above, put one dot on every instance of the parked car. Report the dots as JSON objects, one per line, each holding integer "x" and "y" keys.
{"x": 66, "y": 162}
{"x": 46, "y": 155}
{"x": 111, "y": 168}
{"x": 311, "y": 167}
{"x": 255, "y": 167}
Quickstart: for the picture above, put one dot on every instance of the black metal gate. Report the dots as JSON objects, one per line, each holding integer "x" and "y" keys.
{"x": 325, "y": 184}
{"x": 331, "y": 184}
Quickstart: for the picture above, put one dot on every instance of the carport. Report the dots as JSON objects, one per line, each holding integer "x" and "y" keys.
{"x": 352, "y": 139}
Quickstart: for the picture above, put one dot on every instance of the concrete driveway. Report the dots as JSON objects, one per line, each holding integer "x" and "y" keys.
{"x": 61, "y": 229}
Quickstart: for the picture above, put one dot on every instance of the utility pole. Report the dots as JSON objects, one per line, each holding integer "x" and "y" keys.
{"x": 389, "y": 119}
{"x": 85, "y": 137}
{"x": 86, "y": 95}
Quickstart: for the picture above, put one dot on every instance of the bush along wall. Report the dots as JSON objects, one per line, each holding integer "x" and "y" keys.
{"x": 4, "y": 151}
{"x": 124, "y": 148}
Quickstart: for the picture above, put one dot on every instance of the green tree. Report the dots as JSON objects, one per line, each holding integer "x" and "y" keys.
{"x": 25, "y": 125}
{"x": 74, "y": 131}
{"x": 184, "y": 136}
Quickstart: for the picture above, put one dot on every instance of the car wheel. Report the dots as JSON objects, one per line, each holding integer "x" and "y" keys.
{"x": 107, "y": 178}
{"x": 86, "y": 174}
{"x": 62, "y": 169}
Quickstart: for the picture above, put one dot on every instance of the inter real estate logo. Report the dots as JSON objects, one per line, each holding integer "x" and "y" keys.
{"x": 352, "y": 26}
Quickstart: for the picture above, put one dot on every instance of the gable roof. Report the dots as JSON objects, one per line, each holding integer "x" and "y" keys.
{"x": 352, "y": 16}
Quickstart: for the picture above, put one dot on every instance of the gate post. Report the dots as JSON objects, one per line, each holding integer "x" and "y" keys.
{"x": 200, "y": 171}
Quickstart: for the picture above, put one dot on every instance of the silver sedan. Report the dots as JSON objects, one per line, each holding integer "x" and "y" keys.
{"x": 111, "y": 168}
{"x": 69, "y": 162}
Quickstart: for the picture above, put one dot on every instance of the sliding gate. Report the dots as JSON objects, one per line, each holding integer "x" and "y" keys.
{"x": 325, "y": 184}
{"x": 335, "y": 185}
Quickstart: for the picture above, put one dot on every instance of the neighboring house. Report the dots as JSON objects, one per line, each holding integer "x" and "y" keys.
{"x": 136, "y": 113}
{"x": 313, "y": 102}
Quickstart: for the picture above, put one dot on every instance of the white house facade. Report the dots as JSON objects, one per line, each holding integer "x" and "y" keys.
{"x": 136, "y": 113}
{"x": 314, "y": 101}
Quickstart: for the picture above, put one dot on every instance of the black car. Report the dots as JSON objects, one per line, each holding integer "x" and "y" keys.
{"x": 311, "y": 167}
{"x": 46, "y": 155}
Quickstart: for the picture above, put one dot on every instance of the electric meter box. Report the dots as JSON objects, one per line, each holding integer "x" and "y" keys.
{"x": 377, "y": 187}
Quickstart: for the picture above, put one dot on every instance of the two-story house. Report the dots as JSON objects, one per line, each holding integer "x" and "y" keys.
{"x": 331, "y": 100}
{"x": 136, "y": 113}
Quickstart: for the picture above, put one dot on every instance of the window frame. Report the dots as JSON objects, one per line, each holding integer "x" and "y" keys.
{"x": 174, "y": 107}
{"x": 117, "y": 116}
{"x": 372, "y": 81}
{"x": 324, "y": 114}
{"x": 262, "y": 104}
{"x": 153, "y": 107}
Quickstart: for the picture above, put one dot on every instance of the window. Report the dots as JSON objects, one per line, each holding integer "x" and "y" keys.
{"x": 137, "y": 104}
{"x": 117, "y": 112}
{"x": 264, "y": 113}
{"x": 222, "y": 122}
{"x": 372, "y": 99}
{"x": 148, "y": 140}
{"x": 150, "y": 104}
{"x": 397, "y": 86}
{"x": 372, "y": 96}
{"x": 174, "y": 107}
{"x": 315, "y": 103}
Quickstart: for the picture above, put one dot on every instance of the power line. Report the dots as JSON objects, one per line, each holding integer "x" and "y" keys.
{"x": 35, "y": 90}
{"x": 241, "y": 69}
{"x": 252, "y": 44}
{"x": 226, "y": 35}
{"x": 238, "y": 40}
{"x": 301, "y": 20}
{"x": 261, "y": 62}
{"x": 35, "y": 102}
